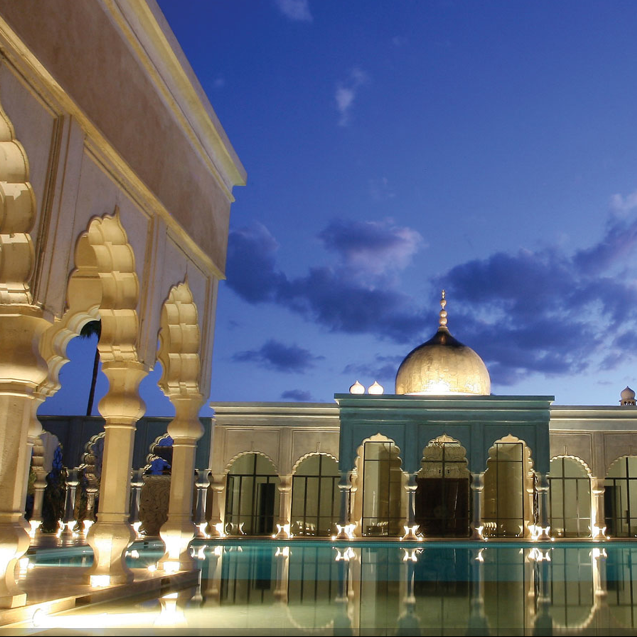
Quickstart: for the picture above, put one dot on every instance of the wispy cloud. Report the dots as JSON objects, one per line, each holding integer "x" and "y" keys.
{"x": 346, "y": 92}
{"x": 380, "y": 189}
{"x": 277, "y": 356}
{"x": 296, "y": 10}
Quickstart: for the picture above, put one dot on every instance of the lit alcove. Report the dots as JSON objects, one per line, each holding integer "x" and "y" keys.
{"x": 570, "y": 498}
{"x": 315, "y": 496}
{"x": 252, "y": 496}
{"x": 382, "y": 489}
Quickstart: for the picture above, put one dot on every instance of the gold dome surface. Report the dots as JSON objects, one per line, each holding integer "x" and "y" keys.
{"x": 443, "y": 366}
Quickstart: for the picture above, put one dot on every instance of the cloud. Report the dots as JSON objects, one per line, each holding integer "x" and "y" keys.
{"x": 295, "y": 10}
{"x": 355, "y": 295}
{"x": 380, "y": 190}
{"x": 619, "y": 203}
{"x": 383, "y": 368}
{"x": 549, "y": 311}
{"x": 274, "y": 355}
{"x": 298, "y": 395}
{"x": 346, "y": 92}
{"x": 371, "y": 247}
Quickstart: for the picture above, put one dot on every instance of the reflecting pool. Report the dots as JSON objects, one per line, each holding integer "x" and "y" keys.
{"x": 318, "y": 588}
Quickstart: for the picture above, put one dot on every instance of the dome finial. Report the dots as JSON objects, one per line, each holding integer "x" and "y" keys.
{"x": 443, "y": 312}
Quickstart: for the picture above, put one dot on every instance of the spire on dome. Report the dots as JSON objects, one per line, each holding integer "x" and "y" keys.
{"x": 443, "y": 312}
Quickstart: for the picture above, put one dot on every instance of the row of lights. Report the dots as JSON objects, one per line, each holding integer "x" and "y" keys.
{"x": 375, "y": 389}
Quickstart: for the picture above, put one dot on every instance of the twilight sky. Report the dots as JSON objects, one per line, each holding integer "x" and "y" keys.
{"x": 394, "y": 149}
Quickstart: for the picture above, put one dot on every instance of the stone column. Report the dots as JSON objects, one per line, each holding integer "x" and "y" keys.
{"x": 285, "y": 508}
{"x": 137, "y": 483}
{"x": 477, "y": 496}
{"x": 217, "y": 513}
{"x": 282, "y": 573}
{"x": 68, "y": 520}
{"x": 202, "y": 482}
{"x": 111, "y": 535}
{"x": 543, "y": 507}
{"x": 412, "y": 527}
{"x": 179, "y": 530}
{"x": 345, "y": 487}
{"x": 598, "y": 515}
{"x": 22, "y": 370}
{"x": 37, "y": 464}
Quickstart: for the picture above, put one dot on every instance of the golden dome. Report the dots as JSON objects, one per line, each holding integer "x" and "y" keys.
{"x": 443, "y": 366}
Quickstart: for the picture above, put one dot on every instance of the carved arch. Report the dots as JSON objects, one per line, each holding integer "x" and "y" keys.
{"x": 92, "y": 459}
{"x": 298, "y": 463}
{"x": 577, "y": 459}
{"x": 245, "y": 453}
{"x": 17, "y": 216}
{"x": 179, "y": 342}
{"x": 104, "y": 285}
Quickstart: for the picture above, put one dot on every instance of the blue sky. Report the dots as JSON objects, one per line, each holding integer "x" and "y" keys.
{"x": 393, "y": 149}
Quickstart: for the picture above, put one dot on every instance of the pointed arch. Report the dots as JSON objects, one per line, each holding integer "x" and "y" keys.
{"x": 103, "y": 286}
{"x": 17, "y": 216}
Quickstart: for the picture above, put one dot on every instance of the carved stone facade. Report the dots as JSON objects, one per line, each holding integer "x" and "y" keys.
{"x": 116, "y": 184}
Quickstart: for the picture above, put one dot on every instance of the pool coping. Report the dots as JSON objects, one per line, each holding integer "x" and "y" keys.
{"x": 145, "y": 583}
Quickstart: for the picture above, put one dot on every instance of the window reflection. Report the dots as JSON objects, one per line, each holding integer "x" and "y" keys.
{"x": 252, "y": 496}
{"x": 504, "y": 490}
{"x": 315, "y": 497}
{"x": 382, "y": 489}
{"x": 570, "y": 498}
{"x": 620, "y": 498}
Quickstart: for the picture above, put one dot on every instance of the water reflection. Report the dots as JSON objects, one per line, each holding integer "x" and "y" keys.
{"x": 393, "y": 590}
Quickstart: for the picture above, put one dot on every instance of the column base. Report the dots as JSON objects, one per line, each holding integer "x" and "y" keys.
{"x": 14, "y": 542}
{"x": 109, "y": 541}
{"x": 283, "y": 532}
{"x": 177, "y": 537}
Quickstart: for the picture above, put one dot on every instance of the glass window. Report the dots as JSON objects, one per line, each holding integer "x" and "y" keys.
{"x": 382, "y": 489}
{"x": 315, "y": 497}
{"x": 442, "y": 496}
{"x": 570, "y": 498}
{"x": 620, "y": 498}
{"x": 252, "y": 496}
{"x": 504, "y": 490}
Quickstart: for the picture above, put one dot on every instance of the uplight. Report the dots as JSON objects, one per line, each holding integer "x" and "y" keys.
{"x": 100, "y": 581}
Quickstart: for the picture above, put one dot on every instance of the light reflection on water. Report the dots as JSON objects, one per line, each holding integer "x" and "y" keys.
{"x": 299, "y": 588}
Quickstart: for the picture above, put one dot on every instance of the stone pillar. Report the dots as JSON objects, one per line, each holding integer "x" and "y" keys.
{"x": 179, "y": 530}
{"x": 217, "y": 513}
{"x": 285, "y": 508}
{"x": 68, "y": 520}
{"x": 202, "y": 483}
{"x": 111, "y": 535}
{"x": 478, "y": 622}
{"x": 137, "y": 483}
{"x": 22, "y": 370}
{"x": 477, "y": 500}
{"x": 543, "y": 507}
{"x": 412, "y": 527}
{"x": 598, "y": 515}
{"x": 37, "y": 464}
{"x": 345, "y": 487}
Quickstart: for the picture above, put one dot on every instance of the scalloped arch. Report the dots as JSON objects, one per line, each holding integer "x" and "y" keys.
{"x": 245, "y": 453}
{"x": 17, "y": 216}
{"x": 179, "y": 343}
{"x": 577, "y": 459}
{"x": 512, "y": 438}
{"x": 616, "y": 460}
{"x": 104, "y": 286}
{"x": 377, "y": 437}
{"x": 297, "y": 464}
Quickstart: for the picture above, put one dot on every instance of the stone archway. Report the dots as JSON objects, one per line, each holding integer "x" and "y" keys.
{"x": 508, "y": 481}
{"x": 442, "y": 501}
{"x": 104, "y": 285}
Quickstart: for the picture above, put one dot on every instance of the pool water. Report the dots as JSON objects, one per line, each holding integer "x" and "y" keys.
{"x": 263, "y": 587}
